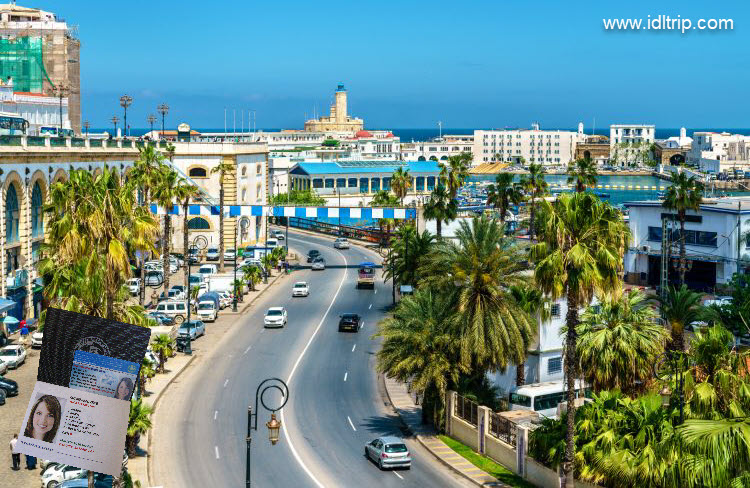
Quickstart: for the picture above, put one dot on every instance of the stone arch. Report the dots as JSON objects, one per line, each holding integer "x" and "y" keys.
{"x": 199, "y": 224}
{"x": 587, "y": 155}
{"x": 677, "y": 159}
{"x": 60, "y": 175}
{"x": 197, "y": 171}
{"x": 421, "y": 158}
{"x": 39, "y": 193}
{"x": 14, "y": 202}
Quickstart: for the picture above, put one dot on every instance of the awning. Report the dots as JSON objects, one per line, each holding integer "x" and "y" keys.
{"x": 6, "y": 305}
{"x": 10, "y": 321}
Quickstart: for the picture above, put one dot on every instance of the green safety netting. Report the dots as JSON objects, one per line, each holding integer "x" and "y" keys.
{"x": 22, "y": 59}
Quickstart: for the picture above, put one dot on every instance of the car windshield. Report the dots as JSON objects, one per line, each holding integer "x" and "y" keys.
{"x": 7, "y": 352}
{"x": 313, "y": 253}
{"x": 274, "y": 312}
{"x": 395, "y": 448}
{"x": 300, "y": 285}
{"x": 213, "y": 249}
{"x": 205, "y": 306}
{"x": 349, "y": 317}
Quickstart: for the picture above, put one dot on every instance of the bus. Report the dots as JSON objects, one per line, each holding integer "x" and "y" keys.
{"x": 12, "y": 125}
{"x": 544, "y": 398}
{"x": 53, "y": 131}
{"x": 366, "y": 275}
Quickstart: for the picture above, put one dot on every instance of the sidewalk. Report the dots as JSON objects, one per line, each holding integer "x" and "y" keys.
{"x": 411, "y": 415}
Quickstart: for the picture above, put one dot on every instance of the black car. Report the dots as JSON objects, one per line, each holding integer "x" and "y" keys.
{"x": 2, "y": 396}
{"x": 10, "y": 386}
{"x": 314, "y": 253}
{"x": 349, "y": 321}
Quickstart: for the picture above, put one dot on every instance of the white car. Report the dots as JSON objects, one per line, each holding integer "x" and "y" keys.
{"x": 319, "y": 264}
{"x": 275, "y": 317}
{"x": 229, "y": 255}
{"x": 279, "y": 235}
{"x": 57, "y": 473}
{"x": 212, "y": 254}
{"x": 134, "y": 285}
{"x": 13, "y": 356}
{"x": 300, "y": 289}
{"x": 36, "y": 339}
{"x": 3, "y": 367}
{"x": 207, "y": 311}
{"x": 341, "y": 243}
{"x": 225, "y": 298}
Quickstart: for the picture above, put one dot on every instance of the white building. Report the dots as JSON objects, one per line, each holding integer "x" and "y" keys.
{"x": 438, "y": 149}
{"x": 716, "y": 152}
{"x": 677, "y": 142}
{"x": 548, "y": 147}
{"x": 630, "y": 143}
{"x": 715, "y": 238}
{"x": 38, "y": 109}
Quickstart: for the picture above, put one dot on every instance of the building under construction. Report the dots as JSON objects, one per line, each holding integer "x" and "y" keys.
{"x": 41, "y": 54}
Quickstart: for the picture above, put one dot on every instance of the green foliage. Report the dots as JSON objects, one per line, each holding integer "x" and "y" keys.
{"x": 330, "y": 142}
{"x": 680, "y": 307}
{"x": 298, "y": 197}
{"x": 408, "y": 252}
{"x": 486, "y": 464}
{"x": 454, "y": 171}
{"x": 504, "y": 194}
{"x": 440, "y": 208}
{"x": 583, "y": 173}
{"x": 401, "y": 182}
{"x": 139, "y": 422}
{"x": 163, "y": 345}
{"x": 535, "y": 186}
{"x": 685, "y": 193}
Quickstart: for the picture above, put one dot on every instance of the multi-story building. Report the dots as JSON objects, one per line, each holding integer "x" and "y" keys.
{"x": 630, "y": 144}
{"x": 38, "y": 109}
{"x": 438, "y": 149}
{"x": 339, "y": 120}
{"x": 548, "y": 147}
{"x": 716, "y": 152}
{"x": 39, "y": 51}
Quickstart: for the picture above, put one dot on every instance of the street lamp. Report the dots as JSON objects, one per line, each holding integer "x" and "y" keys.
{"x": 670, "y": 368}
{"x": 200, "y": 243}
{"x": 60, "y": 90}
{"x": 86, "y": 126}
{"x": 151, "y": 119}
{"x": 234, "y": 283}
{"x": 125, "y": 102}
{"x": 114, "y": 120}
{"x": 163, "y": 109}
{"x": 273, "y": 425}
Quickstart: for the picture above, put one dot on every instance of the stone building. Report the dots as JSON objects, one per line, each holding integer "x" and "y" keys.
{"x": 338, "y": 120}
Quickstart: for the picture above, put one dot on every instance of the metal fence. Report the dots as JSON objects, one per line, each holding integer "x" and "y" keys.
{"x": 503, "y": 429}
{"x": 466, "y": 410}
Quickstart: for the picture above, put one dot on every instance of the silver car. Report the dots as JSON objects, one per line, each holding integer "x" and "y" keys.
{"x": 319, "y": 264}
{"x": 341, "y": 243}
{"x": 389, "y": 452}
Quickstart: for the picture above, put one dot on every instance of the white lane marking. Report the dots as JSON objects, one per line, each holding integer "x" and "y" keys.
{"x": 363, "y": 325}
{"x": 226, "y": 381}
{"x": 248, "y": 348}
{"x": 350, "y": 423}
{"x": 346, "y": 375}
{"x": 294, "y": 369}
{"x": 216, "y": 450}
{"x": 398, "y": 475}
{"x": 354, "y": 347}
{"x": 376, "y": 292}
{"x": 368, "y": 308}
{"x": 216, "y": 412}
{"x": 262, "y": 330}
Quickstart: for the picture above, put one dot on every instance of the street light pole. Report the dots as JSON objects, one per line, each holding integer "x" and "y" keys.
{"x": 86, "y": 126}
{"x": 274, "y": 426}
{"x": 151, "y": 119}
{"x": 234, "y": 284}
{"x": 125, "y": 102}
{"x": 163, "y": 109}
{"x": 115, "y": 120}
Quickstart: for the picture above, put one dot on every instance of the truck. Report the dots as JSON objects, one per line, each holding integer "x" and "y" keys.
{"x": 211, "y": 296}
{"x": 366, "y": 275}
{"x": 207, "y": 310}
{"x": 222, "y": 282}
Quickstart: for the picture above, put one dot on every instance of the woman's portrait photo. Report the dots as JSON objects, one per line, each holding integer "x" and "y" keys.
{"x": 124, "y": 389}
{"x": 45, "y": 419}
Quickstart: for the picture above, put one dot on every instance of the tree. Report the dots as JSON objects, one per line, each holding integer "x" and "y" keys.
{"x": 251, "y": 275}
{"x": 440, "y": 208}
{"x": 165, "y": 192}
{"x": 183, "y": 193}
{"x": 224, "y": 168}
{"x": 537, "y": 306}
{"x": 298, "y": 197}
{"x": 169, "y": 151}
{"x": 535, "y": 187}
{"x": 408, "y": 250}
{"x": 145, "y": 374}
{"x": 401, "y": 182}
{"x": 383, "y": 198}
{"x": 580, "y": 251}
{"x": 139, "y": 423}
{"x": 680, "y": 307}
{"x": 163, "y": 345}
{"x": 454, "y": 171}
{"x": 685, "y": 193}
{"x": 583, "y": 173}
{"x": 619, "y": 341}
{"x": 504, "y": 194}
{"x": 476, "y": 272}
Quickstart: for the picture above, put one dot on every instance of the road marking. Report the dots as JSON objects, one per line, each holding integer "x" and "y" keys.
{"x": 345, "y": 375}
{"x": 216, "y": 412}
{"x": 368, "y": 308}
{"x": 262, "y": 330}
{"x": 376, "y": 292}
{"x": 363, "y": 325}
{"x": 398, "y": 475}
{"x": 226, "y": 381}
{"x": 350, "y": 423}
{"x": 216, "y": 449}
{"x": 354, "y": 347}
{"x": 294, "y": 369}
{"x": 248, "y": 348}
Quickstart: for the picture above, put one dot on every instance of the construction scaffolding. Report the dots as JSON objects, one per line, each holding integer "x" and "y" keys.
{"x": 22, "y": 59}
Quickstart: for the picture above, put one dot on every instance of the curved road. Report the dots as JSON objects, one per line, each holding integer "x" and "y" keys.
{"x": 335, "y": 406}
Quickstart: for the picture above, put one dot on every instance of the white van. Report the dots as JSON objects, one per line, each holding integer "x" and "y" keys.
{"x": 272, "y": 243}
{"x": 208, "y": 269}
{"x": 543, "y": 398}
{"x": 174, "y": 308}
{"x": 207, "y": 310}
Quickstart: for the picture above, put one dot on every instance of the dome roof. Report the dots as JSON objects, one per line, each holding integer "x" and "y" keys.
{"x": 362, "y": 133}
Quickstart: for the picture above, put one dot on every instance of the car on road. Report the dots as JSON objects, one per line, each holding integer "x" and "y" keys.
{"x": 272, "y": 243}
{"x": 134, "y": 286}
{"x": 349, "y": 321}
{"x": 36, "y": 338}
{"x": 319, "y": 264}
{"x": 154, "y": 278}
{"x": 194, "y": 328}
{"x": 389, "y": 452}
{"x": 300, "y": 289}
{"x": 341, "y": 243}
{"x": 230, "y": 255}
{"x": 312, "y": 254}
{"x": 154, "y": 266}
{"x": 225, "y": 298}
{"x": 13, "y": 356}
{"x": 279, "y": 235}
{"x": 10, "y": 386}
{"x": 176, "y": 309}
{"x": 55, "y": 474}
{"x": 212, "y": 254}
{"x": 275, "y": 317}
{"x": 3, "y": 367}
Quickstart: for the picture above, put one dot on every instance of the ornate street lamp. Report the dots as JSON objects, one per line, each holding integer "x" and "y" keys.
{"x": 273, "y": 425}
{"x": 200, "y": 243}
{"x": 151, "y": 119}
{"x": 125, "y": 102}
{"x": 114, "y": 121}
{"x": 163, "y": 109}
{"x": 86, "y": 126}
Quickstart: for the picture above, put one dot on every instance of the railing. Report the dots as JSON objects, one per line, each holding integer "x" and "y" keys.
{"x": 78, "y": 142}
{"x": 503, "y": 429}
{"x": 466, "y": 410}
{"x": 57, "y": 142}
{"x": 36, "y": 141}
{"x": 371, "y": 235}
{"x": 95, "y": 143}
{"x": 10, "y": 140}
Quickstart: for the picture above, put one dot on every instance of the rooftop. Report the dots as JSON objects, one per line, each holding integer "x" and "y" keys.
{"x": 359, "y": 167}
{"x": 723, "y": 204}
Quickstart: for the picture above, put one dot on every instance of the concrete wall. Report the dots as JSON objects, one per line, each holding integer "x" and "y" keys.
{"x": 464, "y": 432}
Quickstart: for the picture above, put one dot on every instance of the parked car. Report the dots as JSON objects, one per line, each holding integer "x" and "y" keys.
{"x": 212, "y": 254}
{"x": 3, "y": 367}
{"x": 154, "y": 266}
{"x": 300, "y": 289}
{"x": 195, "y": 328}
{"x": 225, "y": 298}
{"x": 349, "y": 321}
{"x": 341, "y": 243}
{"x": 230, "y": 255}
{"x": 194, "y": 256}
{"x": 161, "y": 318}
{"x": 54, "y": 475}
{"x": 10, "y": 386}
{"x": 101, "y": 480}
{"x": 154, "y": 278}
{"x": 2, "y": 396}
{"x": 179, "y": 257}
{"x": 275, "y": 317}
{"x": 176, "y": 309}
{"x": 319, "y": 264}
{"x": 13, "y": 356}
{"x": 208, "y": 269}
{"x": 207, "y": 310}
{"x": 312, "y": 254}
{"x": 134, "y": 286}
{"x": 36, "y": 338}
{"x": 389, "y": 452}
{"x": 175, "y": 293}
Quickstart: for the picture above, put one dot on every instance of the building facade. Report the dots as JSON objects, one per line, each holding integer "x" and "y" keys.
{"x": 339, "y": 119}
{"x": 715, "y": 152}
{"x": 547, "y": 147}
{"x": 438, "y": 149}
{"x": 38, "y": 109}
{"x": 630, "y": 144}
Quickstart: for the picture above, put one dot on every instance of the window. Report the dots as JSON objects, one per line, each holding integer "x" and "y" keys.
{"x": 197, "y": 172}
{"x": 329, "y": 182}
{"x": 244, "y": 170}
{"x": 37, "y": 221}
{"x": 555, "y": 310}
{"x": 554, "y": 365}
{"x": 318, "y": 183}
{"x": 11, "y": 215}
{"x": 364, "y": 185}
{"x": 522, "y": 400}
{"x": 548, "y": 401}
{"x": 259, "y": 169}
{"x": 340, "y": 182}
{"x": 692, "y": 237}
{"x": 198, "y": 223}
{"x": 352, "y": 183}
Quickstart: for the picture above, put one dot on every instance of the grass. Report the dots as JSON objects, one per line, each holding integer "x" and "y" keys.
{"x": 486, "y": 464}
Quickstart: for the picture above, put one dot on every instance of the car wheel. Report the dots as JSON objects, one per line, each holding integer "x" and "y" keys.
{"x": 380, "y": 464}
{"x": 178, "y": 319}
{"x": 53, "y": 484}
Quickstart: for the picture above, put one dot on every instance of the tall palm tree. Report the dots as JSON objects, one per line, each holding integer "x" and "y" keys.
{"x": 454, "y": 171}
{"x": 384, "y": 198}
{"x": 681, "y": 306}
{"x": 420, "y": 346}
{"x": 139, "y": 422}
{"x": 583, "y": 173}
{"x": 183, "y": 193}
{"x": 440, "y": 208}
{"x": 165, "y": 193}
{"x": 619, "y": 341}
{"x": 251, "y": 275}
{"x": 169, "y": 151}
{"x": 504, "y": 194}
{"x": 535, "y": 187}
{"x": 537, "y": 306}
{"x": 582, "y": 241}
{"x": 407, "y": 254}
{"x": 685, "y": 193}
{"x": 163, "y": 345}
{"x": 476, "y": 272}
{"x": 224, "y": 168}
{"x": 401, "y": 183}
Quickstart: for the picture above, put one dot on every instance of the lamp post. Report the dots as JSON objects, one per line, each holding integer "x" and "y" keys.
{"x": 114, "y": 121}
{"x": 274, "y": 425}
{"x": 86, "y": 126}
{"x": 163, "y": 109}
{"x": 200, "y": 243}
{"x": 670, "y": 368}
{"x": 234, "y": 283}
{"x": 151, "y": 119}
{"x": 125, "y": 102}
{"x": 60, "y": 90}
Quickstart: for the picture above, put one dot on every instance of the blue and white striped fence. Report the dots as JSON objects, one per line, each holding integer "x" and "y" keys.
{"x": 304, "y": 212}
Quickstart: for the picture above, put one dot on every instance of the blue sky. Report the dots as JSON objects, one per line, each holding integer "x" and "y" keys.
{"x": 410, "y": 63}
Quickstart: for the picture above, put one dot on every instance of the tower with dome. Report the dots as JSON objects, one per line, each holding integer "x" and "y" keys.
{"x": 338, "y": 120}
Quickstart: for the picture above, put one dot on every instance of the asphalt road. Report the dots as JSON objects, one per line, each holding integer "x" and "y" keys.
{"x": 334, "y": 406}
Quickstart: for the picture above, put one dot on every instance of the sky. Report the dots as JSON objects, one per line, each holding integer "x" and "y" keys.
{"x": 411, "y": 63}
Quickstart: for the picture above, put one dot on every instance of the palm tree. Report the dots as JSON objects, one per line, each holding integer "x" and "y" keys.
{"x": 420, "y": 346}
{"x": 476, "y": 272}
{"x": 440, "y": 208}
{"x": 146, "y": 373}
{"x": 504, "y": 194}
{"x": 685, "y": 193}
{"x": 583, "y": 173}
{"x": 536, "y": 305}
{"x": 383, "y": 198}
{"x": 580, "y": 251}
{"x": 165, "y": 192}
{"x": 535, "y": 187}
{"x": 407, "y": 253}
{"x": 139, "y": 423}
{"x": 619, "y": 341}
{"x": 454, "y": 171}
{"x": 401, "y": 183}
{"x": 169, "y": 151}
{"x": 252, "y": 275}
{"x": 680, "y": 307}
{"x": 183, "y": 193}
{"x": 163, "y": 345}
{"x": 224, "y": 168}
